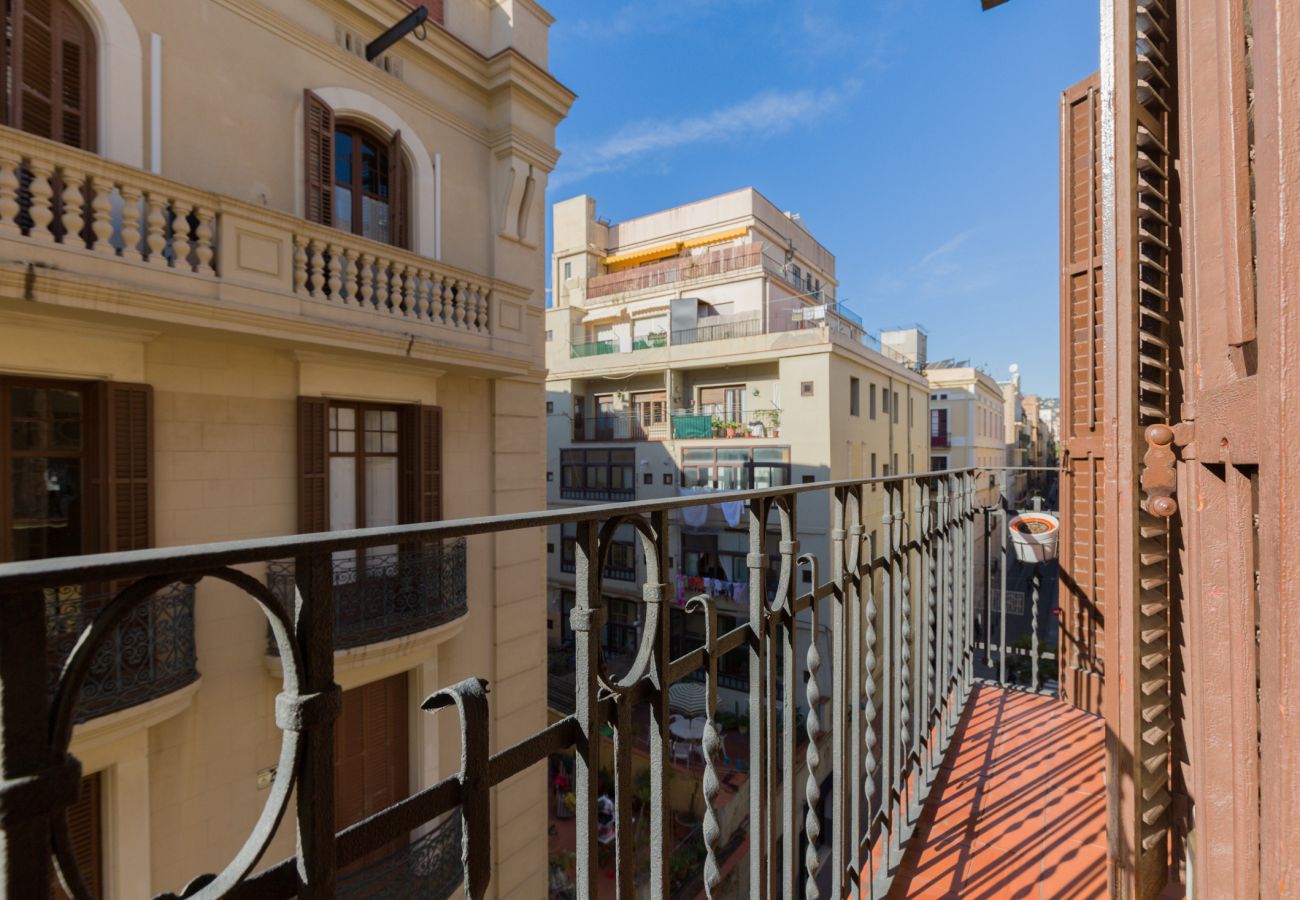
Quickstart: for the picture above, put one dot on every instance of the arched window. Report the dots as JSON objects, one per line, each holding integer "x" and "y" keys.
{"x": 356, "y": 180}
{"x": 49, "y": 71}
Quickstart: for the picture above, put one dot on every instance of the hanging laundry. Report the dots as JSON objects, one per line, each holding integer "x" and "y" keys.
{"x": 731, "y": 511}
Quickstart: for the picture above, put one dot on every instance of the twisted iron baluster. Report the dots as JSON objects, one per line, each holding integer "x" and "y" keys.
{"x": 711, "y": 830}
{"x": 931, "y": 599}
{"x": 813, "y": 694}
{"x": 869, "y": 699}
{"x": 1033, "y": 630}
{"x": 905, "y": 641}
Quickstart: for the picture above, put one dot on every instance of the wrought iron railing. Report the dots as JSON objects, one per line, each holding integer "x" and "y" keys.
{"x": 725, "y": 328}
{"x": 884, "y": 687}
{"x": 623, "y": 425}
{"x": 428, "y": 868}
{"x": 148, "y": 655}
{"x": 377, "y": 596}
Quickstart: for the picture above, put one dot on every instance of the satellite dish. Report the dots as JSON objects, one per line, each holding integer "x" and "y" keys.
{"x": 1014, "y": 367}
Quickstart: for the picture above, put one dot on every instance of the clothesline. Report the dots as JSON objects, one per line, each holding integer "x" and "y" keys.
{"x": 690, "y": 585}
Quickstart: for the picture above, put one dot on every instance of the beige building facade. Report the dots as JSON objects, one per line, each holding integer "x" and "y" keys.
{"x": 701, "y": 349}
{"x": 234, "y": 305}
{"x": 966, "y": 427}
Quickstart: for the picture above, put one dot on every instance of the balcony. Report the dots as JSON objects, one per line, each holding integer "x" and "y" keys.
{"x": 940, "y": 439}
{"x": 863, "y": 746}
{"x": 426, "y": 869}
{"x": 77, "y": 214}
{"x": 675, "y": 271}
{"x": 147, "y": 655}
{"x": 390, "y": 594}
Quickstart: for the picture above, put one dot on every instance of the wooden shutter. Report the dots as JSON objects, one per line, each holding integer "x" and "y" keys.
{"x": 86, "y": 831}
{"x": 128, "y": 466}
{"x": 397, "y": 199}
{"x": 371, "y": 766}
{"x": 318, "y": 158}
{"x": 313, "y": 465}
{"x": 53, "y": 70}
{"x": 420, "y": 464}
{"x": 1082, "y": 554}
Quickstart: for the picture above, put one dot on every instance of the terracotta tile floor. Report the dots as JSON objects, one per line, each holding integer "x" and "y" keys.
{"x": 1018, "y": 809}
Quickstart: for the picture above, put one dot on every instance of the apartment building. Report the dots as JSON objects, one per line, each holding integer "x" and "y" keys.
{"x": 966, "y": 410}
{"x": 1042, "y": 444}
{"x": 698, "y": 349}
{"x": 263, "y": 324}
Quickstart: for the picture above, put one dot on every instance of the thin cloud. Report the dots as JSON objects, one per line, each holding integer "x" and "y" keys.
{"x": 643, "y": 18}
{"x": 767, "y": 113}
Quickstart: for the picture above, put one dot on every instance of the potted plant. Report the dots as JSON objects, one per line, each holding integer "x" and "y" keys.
{"x": 774, "y": 419}
{"x": 718, "y": 426}
{"x": 731, "y": 428}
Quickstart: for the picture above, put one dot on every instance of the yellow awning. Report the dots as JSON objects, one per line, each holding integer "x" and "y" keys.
{"x": 643, "y": 312}
{"x": 600, "y": 316}
{"x": 659, "y": 251}
{"x": 716, "y": 238}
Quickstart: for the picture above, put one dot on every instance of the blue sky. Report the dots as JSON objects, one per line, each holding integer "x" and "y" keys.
{"x": 917, "y": 138}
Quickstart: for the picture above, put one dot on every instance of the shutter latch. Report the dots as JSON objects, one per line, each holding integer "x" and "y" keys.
{"x": 1159, "y": 475}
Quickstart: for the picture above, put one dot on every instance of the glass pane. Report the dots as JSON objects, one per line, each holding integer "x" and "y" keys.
{"x": 388, "y": 419}
{"x": 27, "y": 418}
{"x": 372, "y": 442}
{"x": 347, "y": 442}
{"x": 697, "y": 456}
{"x": 343, "y": 492}
{"x": 771, "y": 454}
{"x": 343, "y": 207}
{"x": 389, "y": 442}
{"x": 374, "y": 219}
{"x": 343, "y": 157}
{"x": 372, "y": 420}
{"x": 623, "y": 456}
{"x": 381, "y": 491}
{"x": 65, "y": 410}
{"x": 729, "y": 478}
{"x": 46, "y": 496}
{"x": 733, "y": 456}
{"x": 347, "y": 417}
{"x": 697, "y": 476}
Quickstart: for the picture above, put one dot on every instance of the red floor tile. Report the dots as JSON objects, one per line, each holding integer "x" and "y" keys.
{"x": 1018, "y": 809}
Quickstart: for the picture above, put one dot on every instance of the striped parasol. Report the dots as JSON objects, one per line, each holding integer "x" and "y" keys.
{"x": 689, "y": 699}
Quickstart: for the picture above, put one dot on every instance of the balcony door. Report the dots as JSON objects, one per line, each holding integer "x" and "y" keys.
{"x": 364, "y": 453}
{"x": 371, "y": 757}
{"x": 48, "y": 67}
{"x": 726, "y": 403}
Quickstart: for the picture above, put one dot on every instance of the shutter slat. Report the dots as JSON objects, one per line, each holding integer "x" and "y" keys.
{"x": 313, "y": 464}
{"x": 128, "y": 432}
{"x": 318, "y": 159}
{"x": 84, "y": 829}
{"x": 397, "y": 213}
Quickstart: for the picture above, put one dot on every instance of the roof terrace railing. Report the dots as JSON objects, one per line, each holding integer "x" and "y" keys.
{"x": 881, "y": 697}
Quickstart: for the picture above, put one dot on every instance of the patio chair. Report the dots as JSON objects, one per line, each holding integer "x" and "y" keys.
{"x": 681, "y": 752}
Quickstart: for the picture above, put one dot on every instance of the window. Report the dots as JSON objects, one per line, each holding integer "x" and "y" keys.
{"x": 356, "y": 180}
{"x": 650, "y": 412}
{"x": 734, "y": 469}
{"x": 727, "y": 403}
{"x": 568, "y": 269}
{"x": 550, "y": 335}
{"x": 939, "y": 427}
{"x": 550, "y": 407}
{"x": 938, "y": 463}
{"x": 805, "y": 389}
{"x": 363, "y": 479}
{"x": 622, "y": 626}
{"x": 700, "y": 556}
{"x": 895, "y": 405}
{"x": 49, "y": 72}
{"x": 602, "y": 474}
{"x": 620, "y": 559}
{"x": 872, "y": 401}
{"x": 366, "y": 178}
{"x": 884, "y": 397}
{"x": 853, "y": 396}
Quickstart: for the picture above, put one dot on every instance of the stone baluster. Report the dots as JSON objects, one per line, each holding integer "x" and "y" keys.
{"x": 101, "y": 206}
{"x": 485, "y": 308}
{"x": 42, "y": 208}
{"x": 423, "y": 302}
{"x": 131, "y": 223}
{"x": 203, "y": 250}
{"x": 72, "y": 216}
{"x": 381, "y": 284}
{"x": 9, "y": 165}
{"x": 411, "y": 287}
{"x": 299, "y": 264}
{"x": 316, "y": 268}
{"x": 155, "y": 228}
{"x": 182, "y": 245}
{"x": 350, "y": 279}
{"x": 334, "y": 268}
{"x": 367, "y": 289}
{"x": 458, "y": 302}
{"x": 438, "y": 300}
{"x": 400, "y": 298}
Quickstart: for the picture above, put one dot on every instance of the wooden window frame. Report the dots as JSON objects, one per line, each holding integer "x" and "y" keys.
{"x": 12, "y": 61}
{"x": 360, "y": 454}
{"x": 397, "y": 206}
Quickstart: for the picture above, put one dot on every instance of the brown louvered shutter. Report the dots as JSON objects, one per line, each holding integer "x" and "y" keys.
{"x": 53, "y": 72}
{"x": 128, "y": 466}
{"x": 371, "y": 764}
{"x": 1082, "y": 558}
{"x": 86, "y": 831}
{"x": 397, "y": 199}
{"x": 313, "y": 465}
{"x": 420, "y": 464}
{"x": 318, "y": 158}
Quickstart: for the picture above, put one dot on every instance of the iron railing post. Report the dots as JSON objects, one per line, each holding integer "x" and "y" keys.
{"x": 313, "y": 628}
{"x": 587, "y": 617}
{"x": 33, "y": 786}
{"x": 839, "y": 693}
